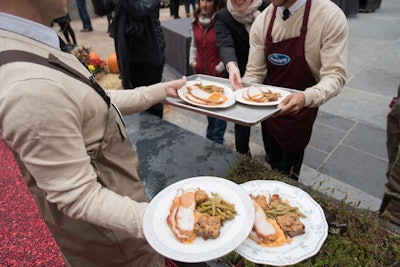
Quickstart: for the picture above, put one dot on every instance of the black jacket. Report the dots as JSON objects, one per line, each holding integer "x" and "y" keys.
{"x": 137, "y": 33}
{"x": 233, "y": 39}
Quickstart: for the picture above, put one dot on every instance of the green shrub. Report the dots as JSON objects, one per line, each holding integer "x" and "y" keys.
{"x": 367, "y": 242}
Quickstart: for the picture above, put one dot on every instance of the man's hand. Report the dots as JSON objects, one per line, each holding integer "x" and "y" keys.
{"x": 172, "y": 86}
{"x": 291, "y": 105}
{"x": 234, "y": 75}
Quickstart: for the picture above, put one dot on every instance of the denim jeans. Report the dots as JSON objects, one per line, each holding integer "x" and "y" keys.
{"x": 187, "y": 5}
{"x": 83, "y": 14}
{"x": 216, "y": 130}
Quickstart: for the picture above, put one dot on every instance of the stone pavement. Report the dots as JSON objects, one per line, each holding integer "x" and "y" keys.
{"x": 346, "y": 157}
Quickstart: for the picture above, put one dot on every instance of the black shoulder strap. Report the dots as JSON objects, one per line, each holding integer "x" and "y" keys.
{"x": 52, "y": 62}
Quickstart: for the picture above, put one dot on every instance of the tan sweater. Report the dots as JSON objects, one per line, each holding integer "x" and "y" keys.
{"x": 325, "y": 47}
{"x": 52, "y": 122}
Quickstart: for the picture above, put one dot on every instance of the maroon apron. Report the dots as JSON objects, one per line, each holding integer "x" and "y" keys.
{"x": 287, "y": 67}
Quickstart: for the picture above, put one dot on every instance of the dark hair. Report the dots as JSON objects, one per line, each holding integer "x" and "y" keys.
{"x": 218, "y": 4}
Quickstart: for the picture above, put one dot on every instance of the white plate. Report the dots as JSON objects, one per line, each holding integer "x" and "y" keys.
{"x": 239, "y": 97}
{"x": 232, "y": 234}
{"x": 303, "y": 246}
{"x": 227, "y": 91}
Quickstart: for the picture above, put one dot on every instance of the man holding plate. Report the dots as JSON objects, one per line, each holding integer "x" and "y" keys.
{"x": 302, "y": 45}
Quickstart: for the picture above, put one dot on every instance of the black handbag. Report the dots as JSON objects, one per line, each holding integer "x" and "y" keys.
{"x": 103, "y": 7}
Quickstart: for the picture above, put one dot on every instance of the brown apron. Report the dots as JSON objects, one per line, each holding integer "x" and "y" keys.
{"x": 83, "y": 243}
{"x": 287, "y": 67}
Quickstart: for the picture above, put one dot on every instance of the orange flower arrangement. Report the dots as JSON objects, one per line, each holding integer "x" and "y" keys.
{"x": 91, "y": 60}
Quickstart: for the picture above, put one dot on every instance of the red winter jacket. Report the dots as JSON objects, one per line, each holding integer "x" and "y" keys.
{"x": 207, "y": 57}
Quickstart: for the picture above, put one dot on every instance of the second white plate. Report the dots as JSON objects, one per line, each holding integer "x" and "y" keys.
{"x": 239, "y": 96}
{"x": 302, "y": 246}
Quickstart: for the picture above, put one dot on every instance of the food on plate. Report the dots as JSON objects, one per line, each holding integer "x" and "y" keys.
{"x": 181, "y": 217}
{"x": 195, "y": 213}
{"x": 208, "y": 226}
{"x": 275, "y": 222}
{"x": 216, "y": 206}
{"x": 287, "y": 217}
{"x": 201, "y": 196}
{"x": 266, "y": 231}
{"x": 256, "y": 94}
{"x": 290, "y": 224}
{"x": 210, "y": 95}
{"x": 277, "y": 207}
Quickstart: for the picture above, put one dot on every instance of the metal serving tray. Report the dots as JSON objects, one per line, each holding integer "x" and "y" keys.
{"x": 239, "y": 113}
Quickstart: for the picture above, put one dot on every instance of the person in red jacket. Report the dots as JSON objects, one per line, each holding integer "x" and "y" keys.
{"x": 204, "y": 55}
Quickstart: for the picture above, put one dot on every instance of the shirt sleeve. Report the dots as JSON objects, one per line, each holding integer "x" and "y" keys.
{"x": 333, "y": 53}
{"x": 138, "y": 99}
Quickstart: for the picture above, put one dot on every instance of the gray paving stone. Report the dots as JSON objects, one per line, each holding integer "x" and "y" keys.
{"x": 334, "y": 121}
{"x": 338, "y": 189}
{"x": 368, "y": 139}
{"x": 358, "y": 105}
{"x": 368, "y": 81}
{"x": 357, "y": 169}
{"x": 325, "y": 138}
{"x": 360, "y": 51}
{"x": 314, "y": 158}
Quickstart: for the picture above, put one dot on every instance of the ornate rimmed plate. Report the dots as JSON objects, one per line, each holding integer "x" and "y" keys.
{"x": 283, "y": 93}
{"x": 301, "y": 247}
{"x": 228, "y": 92}
{"x": 232, "y": 234}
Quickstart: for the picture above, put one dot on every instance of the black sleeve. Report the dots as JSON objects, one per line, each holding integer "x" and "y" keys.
{"x": 139, "y": 9}
{"x": 225, "y": 41}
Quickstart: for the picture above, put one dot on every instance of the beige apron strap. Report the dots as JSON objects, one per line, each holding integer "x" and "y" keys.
{"x": 52, "y": 62}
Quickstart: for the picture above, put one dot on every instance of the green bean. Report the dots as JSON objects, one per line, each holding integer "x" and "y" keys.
{"x": 217, "y": 206}
{"x": 275, "y": 212}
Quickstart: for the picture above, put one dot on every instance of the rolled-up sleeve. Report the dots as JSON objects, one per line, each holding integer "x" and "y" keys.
{"x": 138, "y": 99}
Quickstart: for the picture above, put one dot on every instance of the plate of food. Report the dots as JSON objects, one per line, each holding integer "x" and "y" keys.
{"x": 207, "y": 94}
{"x": 289, "y": 225}
{"x": 198, "y": 219}
{"x": 261, "y": 95}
